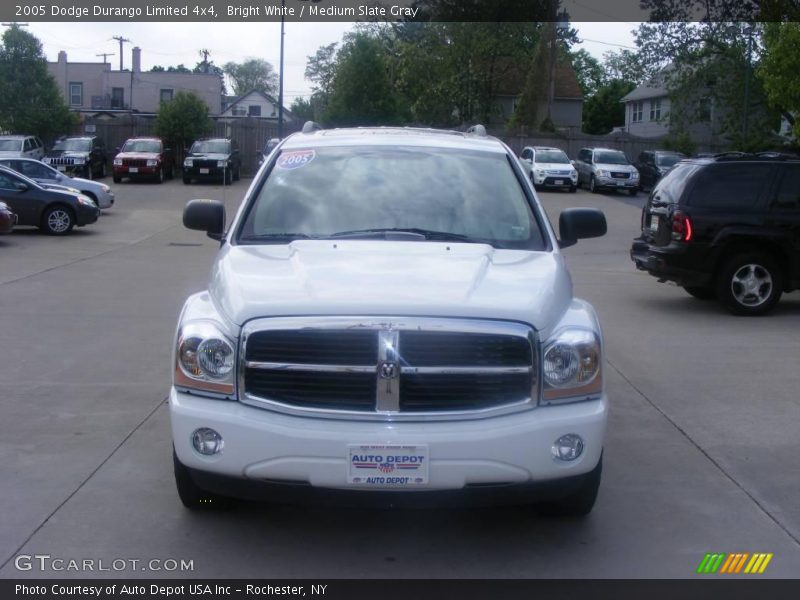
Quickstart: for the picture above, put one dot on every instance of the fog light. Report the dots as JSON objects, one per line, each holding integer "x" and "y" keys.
{"x": 207, "y": 441}
{"x": 568, "y": 447}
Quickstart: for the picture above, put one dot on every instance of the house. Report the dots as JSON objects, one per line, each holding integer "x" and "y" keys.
{"x": 93, "y": 87}
{"x": 567, "y": 109}
{"x": 255, "y": 104}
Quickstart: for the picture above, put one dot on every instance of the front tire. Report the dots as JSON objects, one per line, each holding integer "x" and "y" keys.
{"x": 750, "y": 284}
{"x": 58, "y": 220}
{"x": 580, "y": 502}
{"x": 117, "y": 179}
{"x": 160, "y": 175}
{"x": 592, "y": 186}
{"x": 193, "y": 497}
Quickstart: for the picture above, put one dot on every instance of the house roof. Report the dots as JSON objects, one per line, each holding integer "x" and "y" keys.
{"x": 287, "y": 113}
{"x": 512, "y": 80}
{"x": 656, "y": 87}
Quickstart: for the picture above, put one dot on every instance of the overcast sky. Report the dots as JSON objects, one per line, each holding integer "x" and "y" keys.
{"x": 169, "y": 44}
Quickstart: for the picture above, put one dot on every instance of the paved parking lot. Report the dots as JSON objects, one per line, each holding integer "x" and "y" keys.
{"x": 701, "y": 456}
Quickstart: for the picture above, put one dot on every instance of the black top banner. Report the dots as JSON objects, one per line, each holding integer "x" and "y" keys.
{"x": 401, "y": 10}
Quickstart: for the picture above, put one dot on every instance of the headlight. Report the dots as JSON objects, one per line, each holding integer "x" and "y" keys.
{"x": 86, "y": 201}
{"x": 574, "y": 174}
{"x": 205, "y": 359}
{"x": 635, "y": 175}
{"x": 572, "y": 365}
{"x": 152, "y": 162}
{"x": 188, "y": 162}
{"x": 222, "y": 163}
{"x": 603, "y": 173}
{"x": 79, "y": 161}
{"x": 46, "y": 160}
{"x": 117, "y": 162}
{"x": 106, "y": 189}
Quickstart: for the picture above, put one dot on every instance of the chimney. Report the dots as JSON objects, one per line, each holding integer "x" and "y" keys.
{"x": 62, "y": 57}
{"x": 136, "y": 59}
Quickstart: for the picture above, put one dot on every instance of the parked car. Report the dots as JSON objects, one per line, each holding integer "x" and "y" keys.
{"x": 390, "y": 312}
{"x": 55, "y": 212}
{"x": 213, "y": 158}
{"x": 78, "y": 156}
{"x": 144, "y": 157}
{"x": 7, "y": 218}
{"x": 726, "y": 227}
{"x": 28, "y": 146}
{"x": 271, "y": 144}
{"x": 47, "y": 175}
{"x": 606, "y": 169}
{"x": 654, "y": 164}
{"x": 549, "y": 168}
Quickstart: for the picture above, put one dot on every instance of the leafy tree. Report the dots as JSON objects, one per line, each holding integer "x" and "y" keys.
{"x": 30, "y": 101}
{"x": 589, "y": 71}
{"x": 252, "y": 74}
{"x": 626, "y": 65}
{"x": 181, "y": 68}
{"x": 183, "y": 119}
{"x": 604, "y": 111}
{"x": 320, "y": 70}
{"x": 303, "y": 109}
{"x": 212, "y": 69}
{"x": 361, "y": 92}
{"x": 779, "y": 68}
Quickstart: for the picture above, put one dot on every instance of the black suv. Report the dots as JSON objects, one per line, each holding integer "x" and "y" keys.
{"x": 727, "y": 226}
{"x": 653, "y": 165}
{"x": 83, "y": 156}
{"x": 216, "y": 158}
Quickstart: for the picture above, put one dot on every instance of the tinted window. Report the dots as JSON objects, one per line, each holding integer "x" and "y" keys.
{"x": 73, "y": 145}
{"x": 670, "y": 188}
{"x": 610, "y": 157}
{"x": 731, "y": 186}
{"x": 585, "y": 155}
{"x": 527, "y": 153}
{"x": 667, "y": 160}
{"x": 142, "y": 146}
{"x": 320, "y": 192}
{"x": 28, "y": 145}
{"x": 212, "y": 146}
{"x": 34, "y": 170}
{"x": 788, "y": 194}
{"x": 6, "y": 182}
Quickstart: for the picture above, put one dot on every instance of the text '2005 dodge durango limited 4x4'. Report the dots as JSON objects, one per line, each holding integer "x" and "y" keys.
{"x": 390, "y": 316}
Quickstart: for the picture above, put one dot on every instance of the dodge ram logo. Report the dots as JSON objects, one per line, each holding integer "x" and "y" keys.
{"x": 388, "y": 370}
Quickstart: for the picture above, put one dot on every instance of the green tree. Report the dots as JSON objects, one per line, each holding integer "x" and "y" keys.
{"x": 604, "y": 111}
{"x": 30, "y": 101}
{"x": 779, "y": 70}
{"x": 252, "y": 74}
{"x": 303, "y": 110}
{"x": 320, "y": 70}
{"x": 361, "y": 92}
{"x": 589, "y": 71}
{"x": 183, "y": 119}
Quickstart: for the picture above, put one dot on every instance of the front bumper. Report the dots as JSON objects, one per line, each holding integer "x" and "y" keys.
{"x": 617, "y": 184}
{"x": 558, "y": 181}
{"x": 127, "y": 171}
{"x": 205, "y": 172}
{"x": 86, "y": 216}
{"x": 264, "y": 446}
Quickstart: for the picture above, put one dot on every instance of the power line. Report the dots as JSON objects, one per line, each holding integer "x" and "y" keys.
{"x": 608, "y": 44}
{"x": 121, "y": 41}
{"x": 104, "y": 54}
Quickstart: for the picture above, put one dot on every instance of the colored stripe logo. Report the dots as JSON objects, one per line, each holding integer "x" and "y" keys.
{"x": 735, "y": 563}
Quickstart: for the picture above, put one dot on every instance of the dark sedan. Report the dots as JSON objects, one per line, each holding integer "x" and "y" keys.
{"x": 216, "y": 159}
{"x": 55, "y": 212}
{"x": 7, "y": 218}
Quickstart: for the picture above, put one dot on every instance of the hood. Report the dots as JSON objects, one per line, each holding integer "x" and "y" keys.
{"x": 616, "y": 168}
{"x": 315, "y": 277}
{"x": 554, "y": 167}
{"x": 209, "y": 155}
{"x": 135, "y": 155}
{"x": 67, "y": 153}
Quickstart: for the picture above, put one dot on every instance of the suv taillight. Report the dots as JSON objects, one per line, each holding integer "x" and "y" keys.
{"x": 681, "y": 227}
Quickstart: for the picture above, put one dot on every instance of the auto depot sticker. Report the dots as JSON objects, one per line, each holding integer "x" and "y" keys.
{"x": 295, "y": 160}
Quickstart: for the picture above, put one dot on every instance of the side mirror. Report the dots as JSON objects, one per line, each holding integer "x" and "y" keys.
{"x": 572, "y": 162}
{"x": 21, "y": 186}
{"x": 205, "y": 215}
{"x": 579, "y": 223}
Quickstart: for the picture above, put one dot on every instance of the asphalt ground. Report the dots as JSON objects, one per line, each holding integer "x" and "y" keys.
{"x": 702, "y": 453}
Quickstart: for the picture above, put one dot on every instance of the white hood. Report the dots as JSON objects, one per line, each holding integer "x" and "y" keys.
{"x": 345, "y": 277}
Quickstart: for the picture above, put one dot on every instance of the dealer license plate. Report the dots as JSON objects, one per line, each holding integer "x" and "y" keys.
{"x": 203, "y": 171}
{"x": 387, "y": 465}
{"x": 558, "y": 182}
{"x": 133, "y": 169}
{"x": 654, "y": 223}
{"x": 61, "y": 168}
{"x": 620, "y": 184}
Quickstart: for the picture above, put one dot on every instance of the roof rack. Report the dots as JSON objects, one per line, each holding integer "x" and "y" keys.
{"x": 478, "y": 130}
{"x": 311, "y": 127}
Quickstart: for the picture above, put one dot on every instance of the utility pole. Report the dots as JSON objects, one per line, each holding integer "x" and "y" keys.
{"x": 104, "y": 54}
{"x": 749, "y": 32}
{"x": 280, "y": 80}
{"x": 121, "y": 41}
{"x": 205, "y": 54}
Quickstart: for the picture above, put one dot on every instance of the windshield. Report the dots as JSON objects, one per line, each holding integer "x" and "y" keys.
{"x": 439, "y": 192}
{"x": 610, "y": 157}
{"x": 211, "y": 147}
{"x": 551, "y": 156}
{"x": 142, "y": 146}
{"x": 74, "y": 145}
{"x": 667, "y": 160}
{"x": 11, "y": 145}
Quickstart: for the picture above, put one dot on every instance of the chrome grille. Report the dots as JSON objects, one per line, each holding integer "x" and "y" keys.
{"x": 395, "y": 368}
{"x": 134, "y": 162}
{"x": 67, "y": 161}
{"x": 620, "y": 175}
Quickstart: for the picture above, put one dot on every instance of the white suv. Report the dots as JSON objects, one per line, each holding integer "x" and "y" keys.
{"x": 24, "y": 146}
{"x": 389, "y": 313}
{"x": 549, "y": 168}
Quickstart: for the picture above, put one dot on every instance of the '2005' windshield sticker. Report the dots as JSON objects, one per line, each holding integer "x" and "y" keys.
{"x": 295, "y": 160}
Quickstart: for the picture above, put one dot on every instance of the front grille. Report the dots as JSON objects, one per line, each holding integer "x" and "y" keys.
{"x": 64, "y": 161}
{"x": 619, "y": 175}
{"x": 134, "y": 162}
{"x": 393, "y": 367}
{"x": 559, "y": 173}
{"x": 204, "y": 163}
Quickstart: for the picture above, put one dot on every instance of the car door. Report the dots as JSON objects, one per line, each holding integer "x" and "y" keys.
{"x": 20, "y": 200}
{"x": 784, "y": 212}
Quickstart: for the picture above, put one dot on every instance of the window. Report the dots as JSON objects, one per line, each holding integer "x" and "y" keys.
{"x": 655, "y": 109}
{"x": 35, "y": 170}
{"x": 637, "y": 108}
{"x": 527, "y": 154}
{"x": 238, "y": 111}
{"x": 788, "y": 194}
{"x": 7, "y": 183}
{"x": 28, "y": 146}
{"x": 730, "y": 187}
{"x": 254, "y": 110}
{"x": 165, "y": 95}
{"x": 75, "y": 94}
{"x": 117, "y": 97}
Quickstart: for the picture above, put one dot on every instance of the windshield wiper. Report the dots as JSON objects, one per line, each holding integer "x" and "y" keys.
{"x": 408, "y": 232}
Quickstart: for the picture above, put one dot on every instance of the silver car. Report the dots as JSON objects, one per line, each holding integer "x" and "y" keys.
{"x": 606, "y": 169}
{"x": 100, "y": 193}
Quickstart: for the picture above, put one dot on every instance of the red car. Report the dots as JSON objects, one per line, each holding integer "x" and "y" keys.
{"x": 7, "y": 218}
{"x": 144, "y": 157}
